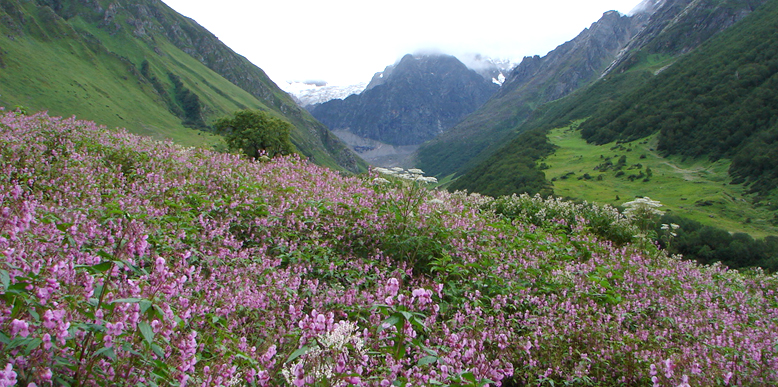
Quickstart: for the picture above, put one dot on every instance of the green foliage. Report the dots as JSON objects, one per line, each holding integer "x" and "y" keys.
{"x": 708, "y": 244}
{"x": 255, "y": 132}
{"x": 559, "y": 215}
{"x": 189, "y": 102}
{"x": 511, "y": 170}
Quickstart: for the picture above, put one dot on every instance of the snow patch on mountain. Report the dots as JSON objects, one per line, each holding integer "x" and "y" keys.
{"x": 308, "y": 93}
{"x": 489, "y": 68}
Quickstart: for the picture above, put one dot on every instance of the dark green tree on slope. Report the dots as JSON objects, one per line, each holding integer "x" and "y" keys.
{"x": 254, "y": 132}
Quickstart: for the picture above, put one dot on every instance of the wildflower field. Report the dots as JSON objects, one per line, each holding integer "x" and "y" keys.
{"x": 125, "y": 261}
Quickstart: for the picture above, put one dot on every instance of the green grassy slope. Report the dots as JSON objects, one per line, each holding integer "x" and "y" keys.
{"x": 87, "y": 59}
{"x": 693, "y": 188}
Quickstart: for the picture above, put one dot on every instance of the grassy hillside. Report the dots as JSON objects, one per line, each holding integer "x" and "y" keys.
{"x": 128, "y": 261}
{"x": 137, "y": 64}
{"x": 696, "y": 189}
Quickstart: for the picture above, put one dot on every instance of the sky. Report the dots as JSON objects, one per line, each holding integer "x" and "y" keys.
{"x": 345, "y": 42}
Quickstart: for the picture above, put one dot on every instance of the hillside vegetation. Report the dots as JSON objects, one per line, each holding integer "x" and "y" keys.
{"x": 720, "y": 102}
{"x": 134, "y": 262}
{"x": 613, "y": 173}
{"x": 139, "y": 65}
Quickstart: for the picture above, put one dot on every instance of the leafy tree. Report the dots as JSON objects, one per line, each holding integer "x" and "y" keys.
{"x": 255, "y": 131}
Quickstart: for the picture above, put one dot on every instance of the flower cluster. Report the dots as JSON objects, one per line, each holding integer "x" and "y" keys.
{"x": 328, "y": 357}
{"x": 643, "y": 207}
{"x": 670, "y": 228}
{"x": 412, "y": 174}
{"x": 124, "y": 261}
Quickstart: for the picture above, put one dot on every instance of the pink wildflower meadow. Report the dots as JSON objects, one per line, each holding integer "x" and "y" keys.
{"x": 126, "y": 261}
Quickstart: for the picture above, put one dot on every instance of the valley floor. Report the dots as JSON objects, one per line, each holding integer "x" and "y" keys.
{"x": 693, "y": 188}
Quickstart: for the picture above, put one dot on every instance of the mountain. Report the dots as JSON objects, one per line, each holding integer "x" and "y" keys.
{"x": 534, "y": 81}
{"x": 138, "y": 64}
{"x": 697, "y": 94}
{"x": 410, "y": 102}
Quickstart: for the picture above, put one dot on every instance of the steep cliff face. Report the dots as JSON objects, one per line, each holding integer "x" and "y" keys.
{"x": 410, "y": 102}
{"x": 162, "y": 49}
{"x": 676, "y": 27}
{"x": 534, "y": 81}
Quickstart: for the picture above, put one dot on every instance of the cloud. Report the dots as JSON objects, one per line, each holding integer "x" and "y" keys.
{"x": 347, "y": 41}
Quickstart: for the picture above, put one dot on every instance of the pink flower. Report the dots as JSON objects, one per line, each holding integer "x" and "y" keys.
{"x": 7, "y": 376}
{"x": 392, "y": 286}
{"x": 19, "y": 328}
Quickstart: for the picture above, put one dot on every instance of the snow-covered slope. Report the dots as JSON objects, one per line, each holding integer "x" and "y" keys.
{"x": 315, "y": 92}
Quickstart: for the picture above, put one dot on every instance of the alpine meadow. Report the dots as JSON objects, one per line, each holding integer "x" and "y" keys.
{"x": 605, "y": 215}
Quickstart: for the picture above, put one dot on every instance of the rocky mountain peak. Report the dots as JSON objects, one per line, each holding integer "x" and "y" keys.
{"x": 410, "y": 102}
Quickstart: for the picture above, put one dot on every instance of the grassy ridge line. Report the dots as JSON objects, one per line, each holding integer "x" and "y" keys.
{"x": 47, "y": 76}
{"x": 694, "y": 188}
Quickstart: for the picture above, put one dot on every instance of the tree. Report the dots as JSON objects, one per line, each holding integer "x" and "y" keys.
{"x": 255, "y": 131}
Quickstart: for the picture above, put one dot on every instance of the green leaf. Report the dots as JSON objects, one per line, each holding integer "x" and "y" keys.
{"x": 4, "y": 339}
{"x": 468, "y": 376}
{"x": 390, "y": 321}
{"x": 32, "y": 344}
{"x": 299, "y": 352}
{"x": 127, "y": 300}
{"x": 34, "y": 313}
{"x": 18, "y": 288}
{"x": 126, "y": 347}
{"x": 408, "y": 315}
{"x": 146, "y": 331}
{"x": 101, "y": 267}
{"x": 64, "y": 226}
{"x": 107, "y": 352}
{"x": 427, "y": 360}
{"x": 144, "y": 306}
{"x": 95, "y": 327}
{"x": 5, "y": 279}
{"x": 158, "y": 351}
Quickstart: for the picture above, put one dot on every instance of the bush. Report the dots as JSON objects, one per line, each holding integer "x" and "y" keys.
{"x": 255, "y": 133}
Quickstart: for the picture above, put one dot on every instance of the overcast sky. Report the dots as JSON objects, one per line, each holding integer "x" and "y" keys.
{"x": 346, "y": 41}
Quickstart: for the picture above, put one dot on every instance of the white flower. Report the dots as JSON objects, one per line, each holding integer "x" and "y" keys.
{"x": 416, "y": 171}
{"x": 383, "y": 171}
{"x": 380, "y": 180}
{"x": 397, "y": 169}
{"x": 643, "y": 207}
{"x": 317, "y": 361}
